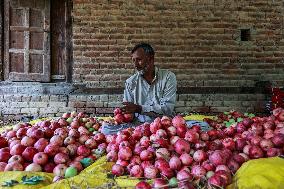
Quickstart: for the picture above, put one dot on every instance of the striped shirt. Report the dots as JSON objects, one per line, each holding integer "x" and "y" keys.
{"x": 156, "y": 99}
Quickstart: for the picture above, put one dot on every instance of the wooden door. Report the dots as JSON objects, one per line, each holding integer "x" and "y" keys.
{"x": 27, "y": 40}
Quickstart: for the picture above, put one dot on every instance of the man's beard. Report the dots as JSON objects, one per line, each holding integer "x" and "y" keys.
{"x": 140, "y": 72}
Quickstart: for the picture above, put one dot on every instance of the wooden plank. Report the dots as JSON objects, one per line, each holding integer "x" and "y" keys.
{"x": 1, "y": 41}
{"x": 58, "y": 44}
{"x": 7, "y": 37}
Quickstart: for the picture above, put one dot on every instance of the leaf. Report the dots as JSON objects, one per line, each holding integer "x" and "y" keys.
{"x": 10, "y": 183}
{"x": 86, "y": 162}
{"x": 32, "y": 180}
{"x": 226, "y": 113}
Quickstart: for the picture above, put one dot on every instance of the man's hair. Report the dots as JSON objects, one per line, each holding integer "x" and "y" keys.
{"x": 148, "y": 49}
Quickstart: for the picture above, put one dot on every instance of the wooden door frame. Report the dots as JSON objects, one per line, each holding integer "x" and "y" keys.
{"x": 1, "y": 40}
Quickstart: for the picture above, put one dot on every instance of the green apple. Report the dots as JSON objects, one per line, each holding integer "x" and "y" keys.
{"x": 173, "y": 182}
{"x": 69, "y": 119}
{"x": 70, "y": 172}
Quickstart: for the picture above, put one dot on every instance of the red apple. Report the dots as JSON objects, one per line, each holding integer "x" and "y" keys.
{"x": 77, "y": 165}
{"x": 37, "y": 134}
{"x": 49, "y": 167}
{"x": 14, "y": 142}
{"x": 29, "y": 153}
{"x": 83, "y": 151}
{"x": 61, "y": 158}
{"x": 17, "y": 149}
{"x": 41, "y": 144}
{"x": 72, "y": 148}
{"x": 83, "y": 139}
{"x": 62, "y": 132}
{"x": 69, "y": 140}
{"x": 63, "y": 150}
{"x": 27, "y": 141}
{"x": 17, "y": 158}
{"x": 56, "y": 140}
{"x": 14, "y": 166}
{"x": 40, "y": 158}
{"x": 2, "y": 166}
{"x": 128, "y": 117}
{"x": 91, "y": 143}
{"x": 48, "y": 132}
{"x": 59, "y": 170}
{"x": 55, "y": 124}
{"x": 74, "y": 133}
{"x": 51, "y": 149}
{"x": 11, "y": 134}
{"x": 21, "y": 132}
{"x": 33, "y": 167}
{"x": 5, "y": 154}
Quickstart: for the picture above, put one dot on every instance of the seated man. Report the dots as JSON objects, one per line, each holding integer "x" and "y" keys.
{"x": 149, "y": 93}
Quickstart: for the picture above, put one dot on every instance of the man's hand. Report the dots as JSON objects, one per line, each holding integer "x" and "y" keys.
{"x": 129, "y": 107}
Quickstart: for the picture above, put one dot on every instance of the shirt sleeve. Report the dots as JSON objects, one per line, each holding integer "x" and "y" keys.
{"x": 168, "y": 100}
{"x": 127, "y": 94}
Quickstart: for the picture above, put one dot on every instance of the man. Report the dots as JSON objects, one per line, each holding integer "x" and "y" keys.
{"x": 149, "y": 93}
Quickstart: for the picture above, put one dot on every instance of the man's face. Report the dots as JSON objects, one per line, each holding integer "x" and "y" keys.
{"x": 141, "y": 61}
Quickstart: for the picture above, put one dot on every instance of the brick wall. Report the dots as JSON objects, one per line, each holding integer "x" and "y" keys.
{"x": 24, "y": 107}
{"x": 199, "y": 40}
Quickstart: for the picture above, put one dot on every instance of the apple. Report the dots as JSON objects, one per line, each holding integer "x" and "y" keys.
{"x": 79, "y": 158}
{"x": 2, "y": 166}
{"x": 33, "y": 167}
{"x": 69, "y": 140}
{"x": 83, "y": 131}
{"x": 14, "y": 166}
{"x": 40, "y": 158}
{"x": 72, "y": 148}
{"x": 29, "y": 153}
{"x": 41, "y": 144}
{"x": 55, "y": 124}
{"x": 128, "y": 117}
{"x": 37, "y": 134}
{"x": 27, "y": 141}
{"x": 59, "y": 170}
{"x": 18, "y": 126}
{"x": 83, "y": 139}
{"x": 77, "y": 165}
{"x": 63, "y": 150}
{"x": 75, "y": 124}
{"x": 44, "y": 123}
{"x": 14, "y": 142}
{"x": 17, "y": 158}
{"x": 48, "y": 132}
{"x": 21, "y": 132}
{"x": 57, "y": 178}
{"x": 51, "y": 149}
{"x": 119, "y": 118}
{"x": 4, "y": 154}
{"x": 61, "y": 132}
{"x": 70, "y": 172}
{"x": 91, "y": 143}
{"x": 56, "y": 140}
{"x": 11, "y": 134}
{"x": 17, "y": 149}
{"x": 99, "y": 137}
{"x": 74, "y": 133}
{"x": 63, "y": 122}
{"x": 49, "y": 167}
{"x": 30, "y": 130}
{"x": 66, "y": 115}
{"x": 61, "y": 158}
{"x": 83, "y": 151}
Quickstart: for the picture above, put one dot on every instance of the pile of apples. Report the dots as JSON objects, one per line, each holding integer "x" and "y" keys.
{"x": 174, "y": 155}
{"x": 120, "y": 117}
{"x": 52, "y": 145}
